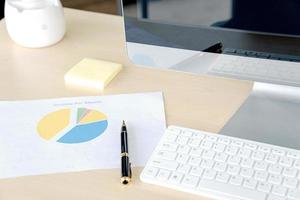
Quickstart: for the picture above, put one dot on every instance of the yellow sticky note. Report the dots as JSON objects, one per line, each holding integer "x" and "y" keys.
{"x": 92, "y": 73}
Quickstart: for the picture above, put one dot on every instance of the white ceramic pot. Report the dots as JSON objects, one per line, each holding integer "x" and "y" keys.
{"x": 35, "y": 23}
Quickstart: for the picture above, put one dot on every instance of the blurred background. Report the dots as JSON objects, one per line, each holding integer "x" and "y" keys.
{"x": 157, "y": 8}
{"x": 104, "y": 6}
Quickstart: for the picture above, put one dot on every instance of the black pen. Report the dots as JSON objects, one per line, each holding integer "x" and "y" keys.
{"x": 125, "y": 164}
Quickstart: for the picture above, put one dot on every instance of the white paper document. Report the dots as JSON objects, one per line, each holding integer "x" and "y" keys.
{"x": 75, "y": 134}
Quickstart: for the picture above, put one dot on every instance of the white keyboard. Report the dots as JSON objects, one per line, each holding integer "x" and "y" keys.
{"x": 223, "y": 167}
{"x": 281, "y": 72}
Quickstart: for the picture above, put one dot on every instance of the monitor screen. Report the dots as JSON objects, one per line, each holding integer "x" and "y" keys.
{"x": 271, "y": 16}
{"x": 256, "y": 40}
{"x": 258, "y": 25}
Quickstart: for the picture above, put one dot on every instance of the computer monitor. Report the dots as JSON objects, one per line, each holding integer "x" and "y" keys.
{"x": 256, "y": 40}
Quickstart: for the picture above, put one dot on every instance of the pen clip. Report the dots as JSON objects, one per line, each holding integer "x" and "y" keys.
{"x": 130, "y": 173}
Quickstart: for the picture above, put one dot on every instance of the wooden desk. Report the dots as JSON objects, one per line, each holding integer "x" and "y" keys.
{"x": 199, "y": 102}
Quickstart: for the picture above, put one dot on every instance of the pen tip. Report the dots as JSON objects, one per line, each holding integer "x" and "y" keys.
{"x": 123, "y": 123}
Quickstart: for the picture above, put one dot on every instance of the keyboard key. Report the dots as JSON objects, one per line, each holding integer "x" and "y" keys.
{"x": 170, "y": 137}
{"x": 279, "y": 190}
{"x": 187, "y": 133}
{"x": 195, "y": 161}
{"x": 212, "y": 138}
{"x": 176, "y": 177}
{"x": 220, "y": 167}
{"x": 297, "y": 164}
{"x": 250, "y": 183}
{"x": 197, "y": 171}
{"x": 237, "y": 143}
{"x": 244, "y": 153}
{"x": 208, "y": 154}
{"x": 190, "y": 181}
{"x": 182, "y": 140}
{"x": 234, "y": 160}
{"x": 264, "y": 149}
{"x": 290, "y": 182}
{"x": 196, "y": 152}
{"x": 233, "y": 169}
{"x": 221, "y": 157}
{"x": 247, "y": 162}
{"x": 261, "y": 175}
{"x": 163, "y": 175}
{"x": 224, "y": 141}
{"x": 289, "y": 172}
{"x": 272, "y": 158}
{"x": 222, "y": 177}
{"x": 207, "y": 164}
{"x": 294, "y": 194}
{"x": 285, "y": 161}
{"x": 198, "y": 135}
{"x": 205, "y": 144}
{"x": 275, "y": 179}
{"x": 184, "y": 169}
{"x": 164, "y": 164}
{"x": 264, "y": 187}
{"x": 258, "y": 155}
{"x": 275, "y": 169}
{"x": 242, "y": 193}
{"x": 246, "y": 172}
{"x": 169, "y": 147}
{"x": 175, "y": 131}
{"x": 278, "y": 152}
{"x": 236, "y": 180}
{"x": 218, "y": 147}
{"x": 166, "y": 155}
{"x": 250, "y": 146}
{"x": 209, "y": 174}
{"x": 150, "y": 171}
{"x": 293, "y": 155}
{"x": 231, "y": 150}
{"x": 183, "y": 149}
{"x": 194, "y": 142}
{"x": 182, "y": 158}
{"x": 260, "y": 165}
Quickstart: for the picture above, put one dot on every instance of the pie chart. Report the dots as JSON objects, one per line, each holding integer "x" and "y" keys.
{"x": 72, "y": 126}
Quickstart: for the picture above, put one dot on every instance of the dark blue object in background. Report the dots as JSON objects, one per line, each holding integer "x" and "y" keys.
{"x": 2, "y": 8}
{"x": 271, "y": 16}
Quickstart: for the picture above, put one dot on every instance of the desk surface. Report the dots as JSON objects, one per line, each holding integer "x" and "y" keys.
{"x": 199, "y": 102}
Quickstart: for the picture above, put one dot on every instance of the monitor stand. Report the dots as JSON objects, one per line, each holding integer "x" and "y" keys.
{"x": 271, "y": 114}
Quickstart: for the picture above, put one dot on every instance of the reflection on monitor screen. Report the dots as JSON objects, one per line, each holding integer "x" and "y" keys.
{"x": 263, "y": 26}
{"x": 269, "y": 16}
